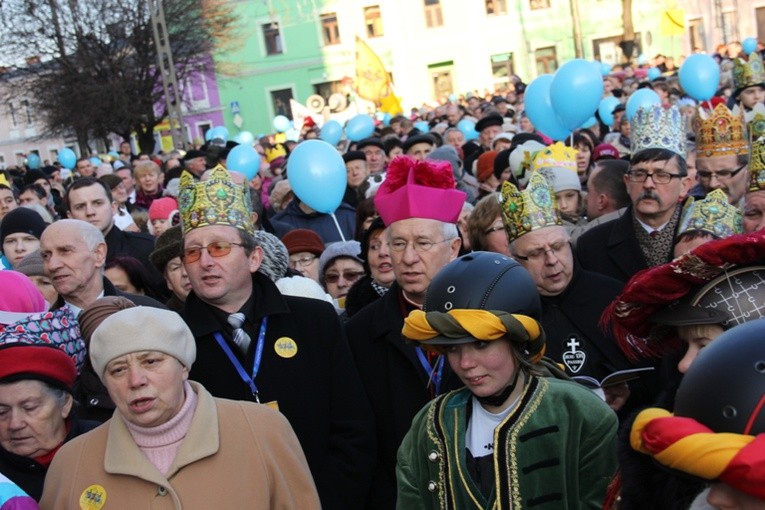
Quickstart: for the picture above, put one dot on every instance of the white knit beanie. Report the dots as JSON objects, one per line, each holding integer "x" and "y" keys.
{"x": 142, "y": 328}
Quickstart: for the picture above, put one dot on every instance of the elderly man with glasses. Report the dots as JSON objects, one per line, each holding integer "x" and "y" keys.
{"x": 657, "y": 183}
{"x": 253, "y": 343}
{"x": 420, "y": 206}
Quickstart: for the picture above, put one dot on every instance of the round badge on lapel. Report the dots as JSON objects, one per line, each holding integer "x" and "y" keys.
{"x": 285, "y": 347}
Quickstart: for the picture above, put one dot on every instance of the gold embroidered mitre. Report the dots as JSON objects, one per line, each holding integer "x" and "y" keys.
{"x": 530, "y": 209}
{"x": 713, "y": 215}
{"x": 720, "y": 133}
{"x": 747, "y": 73}
{"x": 556, "y": 155}
{"x": 216, "y": 201}
{"x": 656, "y": 127}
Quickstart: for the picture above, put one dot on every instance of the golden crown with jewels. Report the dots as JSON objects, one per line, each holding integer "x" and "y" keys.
{"x": 530, "y": 209}
{"x": 720, "y": 132}
{"x": 216, "y": 201}
{"x": 713, "y": 215}
{"x": 747, "y": 73}
{"x": 656, "y": 127}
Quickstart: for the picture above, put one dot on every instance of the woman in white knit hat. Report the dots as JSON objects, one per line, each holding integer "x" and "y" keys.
{"x": 170, "y": 444}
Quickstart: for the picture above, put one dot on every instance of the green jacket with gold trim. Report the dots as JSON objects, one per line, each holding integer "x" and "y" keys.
{"x": 555, "y": 450}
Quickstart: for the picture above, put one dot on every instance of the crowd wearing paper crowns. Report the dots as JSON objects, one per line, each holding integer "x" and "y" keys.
{"x": 636, "y": 242}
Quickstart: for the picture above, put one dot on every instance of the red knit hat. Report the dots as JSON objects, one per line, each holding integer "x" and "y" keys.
{"x": 46, "y": 363}
{"x": 302, "y": 239}
{"x": 161, "y": 208}
{"x": 484, "y": 167}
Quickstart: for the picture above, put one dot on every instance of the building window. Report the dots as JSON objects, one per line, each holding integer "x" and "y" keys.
{"x": 547, "y": 61}
{"x": 280, "y": 100}
{"x": 695, "y": 34}
{"x": 759, "y": 14}
{"x": 272, "y": 38}
{"x": 539, "y": 4}
{"x": 496, "y": 7}
{"x": 12, "y": 114}
{"x": 373, "y": 21}
{"x": 441, "y": 78}
{"x": 502, "y": 70}
{"x": 330, "y": 30}
{"x": 27, "y": 110}
{"x": 433, "y": 16}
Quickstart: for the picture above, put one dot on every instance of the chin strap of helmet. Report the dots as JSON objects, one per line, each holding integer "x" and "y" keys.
{"x": 500, "y": 398}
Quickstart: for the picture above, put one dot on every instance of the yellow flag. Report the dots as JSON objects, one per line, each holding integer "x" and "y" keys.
{"x": 371, "y": 77}
{"x": 672, "y": 22}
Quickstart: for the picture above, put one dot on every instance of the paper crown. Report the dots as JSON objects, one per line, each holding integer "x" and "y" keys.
{"x": 530, "y": 209}
{"x": 720, "y": 133}
{"x": 755, "y": 120}
{"x": 556, "y": 155}
{"x": 656, "y": 127}
{"x": 747, "y": 73}
{"x": 216, "y": 201}
{"x": 419, "y": 189}
{"x": 4, "y": 181}
{"x": 713, "y": 215}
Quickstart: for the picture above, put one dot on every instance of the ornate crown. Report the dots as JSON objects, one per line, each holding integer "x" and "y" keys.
{"x": 556, "y": 155}
{"x": 720, "y": 133}
{"x": 216, "y": 201}
{"x": 713, "y": 215}
{"x": 748, "y": 73}
{"x": 530, "y": 209}
{"x": 656, "y": 127}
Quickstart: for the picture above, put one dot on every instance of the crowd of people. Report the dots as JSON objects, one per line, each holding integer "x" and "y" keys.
{"x": 501, "y": 322}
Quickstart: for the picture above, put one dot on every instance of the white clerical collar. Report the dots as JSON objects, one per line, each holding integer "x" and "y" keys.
{"x": 76, "y": 309}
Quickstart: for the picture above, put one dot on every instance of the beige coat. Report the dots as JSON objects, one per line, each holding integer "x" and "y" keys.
{"x": 235, "y": 455}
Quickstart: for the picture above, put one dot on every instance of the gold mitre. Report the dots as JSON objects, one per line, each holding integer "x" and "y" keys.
{"x": 556, "y": 155}
{"x": 720, "y": 133}
{"x": 756, "y": 119}
{"x": 530, "y": 209}
{"x": 748, "y": 73}
{"x": 713, "y": 215}
{"x": 216, "y": 201}
{"x": 656, "y": 127}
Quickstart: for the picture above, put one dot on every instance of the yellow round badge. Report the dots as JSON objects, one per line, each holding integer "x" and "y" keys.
{"x": 93, "y": 498}
{"x": 285, "y": 347}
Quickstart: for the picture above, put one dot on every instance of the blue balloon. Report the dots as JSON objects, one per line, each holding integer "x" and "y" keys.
{"x": 113, "y": 154}
{"x": 219, "y": 133}
{"x": 359, "y": 127}
{"x": 605, "y": 68}
{"x": 244, "y": 159}
{"x": 208, "y": 135}
{"x": 700, "y": 76}
{"x": 67, "y": 158}
{"x": 33, "y": 161}
{"x": 540, "y": 111}
{"x": 317, "y": 175}
{"x": 606, "y": 109}
{"x": 95, "y": 161}
{"x": 653, "y": 73}
{"x": 244, "y": 138}
{"x": 575, "y": 92}
{"x": 422, "y": 126}
{"x": 749, "y": 45}
{"x": 281, "y": 123}
{"x": 452, "y": 98}
{"x": 641, "y": 98}
{"x": 467, "y": 128}
{"x": 642, "y": 60}
{"x": 331, "y": 132}
{"x": 386, "y": 119}
{"x": 589, "y": 122}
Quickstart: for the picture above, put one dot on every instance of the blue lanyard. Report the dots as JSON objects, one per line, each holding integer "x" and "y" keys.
{"x": 249, "y": 380}
{"x": 434, "y": 373}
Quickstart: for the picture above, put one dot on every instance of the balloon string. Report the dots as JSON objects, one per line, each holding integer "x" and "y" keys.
{"x": 334, "y": 218}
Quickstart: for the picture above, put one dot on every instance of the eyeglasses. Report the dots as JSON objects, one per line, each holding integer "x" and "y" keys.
{"x": 348, "y": 276}
{"x": 302, "y": 261}
{"x": 722, "y": 175}
{"x": 494, "y": 228}
{"x": 540, "y": 253}
{"x": 216, "y": 249}
{"x": 420, "y": 246}
{"x": 660, "y": 177}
